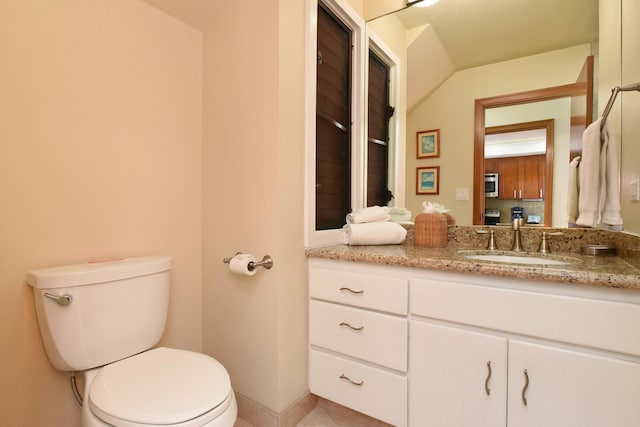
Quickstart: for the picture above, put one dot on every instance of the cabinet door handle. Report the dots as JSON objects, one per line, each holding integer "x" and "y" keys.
{"x": 344, "y": 377}
{"x": 514, "y": 194}
{"x": 351, "y": 291}
{"x": 521, "y": 194}
{"x": 486, "y": 381}
{"x": 526, "y": 386}
{"x": 541, "y": 193}
{"x": 353, "y": 328}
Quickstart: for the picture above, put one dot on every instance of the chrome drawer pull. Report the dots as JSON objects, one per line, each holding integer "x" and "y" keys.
{"x": 526, "y": 386}
{"x": 486, "y": 381}
{"x": 63, "y": 300}
{"x": 351, "y": 291}
{"x": 344, "y": 377}
{"x": 353, "y": 328}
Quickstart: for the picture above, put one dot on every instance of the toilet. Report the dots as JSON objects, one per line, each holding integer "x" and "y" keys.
{"x": 102, "y": 319}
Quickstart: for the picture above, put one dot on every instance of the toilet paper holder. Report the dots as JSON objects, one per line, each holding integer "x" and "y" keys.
{"x": 266, "y": 262}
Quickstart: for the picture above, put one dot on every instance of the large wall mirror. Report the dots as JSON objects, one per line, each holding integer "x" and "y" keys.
{"x": 456, "y": 52}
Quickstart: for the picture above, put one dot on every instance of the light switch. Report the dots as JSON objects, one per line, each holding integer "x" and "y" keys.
{"x": 462, "y": 193}
{"x": 634, "y": 191}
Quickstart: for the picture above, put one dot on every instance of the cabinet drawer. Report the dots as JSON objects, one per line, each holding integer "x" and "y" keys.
{"x": 381, "y": 394}
{"x": 375, "y": 337}
{"x": 577, "y": 320}
{"x": 378, "y": 292}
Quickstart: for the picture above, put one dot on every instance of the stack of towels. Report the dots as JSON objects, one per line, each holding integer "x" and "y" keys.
{"x": 375, "y": 225}
{"x": 400, "y": 215}
{"x": 594, "y": 188}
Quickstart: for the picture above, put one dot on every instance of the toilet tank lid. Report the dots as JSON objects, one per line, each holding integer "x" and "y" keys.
{"x": 100, "y": 271}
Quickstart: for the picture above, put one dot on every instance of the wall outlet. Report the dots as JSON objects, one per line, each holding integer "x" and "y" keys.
{"x": 634, "y": 190}
{"x": 462, "y": 193}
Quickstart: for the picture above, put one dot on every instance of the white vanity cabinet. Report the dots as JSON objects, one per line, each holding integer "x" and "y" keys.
{"x": 432, "y": 349}
{"x": 555, "y": 359}
{"x": 358, "y": 331}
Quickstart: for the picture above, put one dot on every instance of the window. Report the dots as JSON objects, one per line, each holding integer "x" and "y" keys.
{"x": 378, "y": 137}
{"x": 333, "y": 121}
{"x": 334, "y": 112}
{"x": 344, "y": 172}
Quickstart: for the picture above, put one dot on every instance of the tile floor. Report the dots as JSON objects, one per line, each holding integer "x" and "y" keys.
{"x": 327, "y": 414}
{"x": 318, "y": 417}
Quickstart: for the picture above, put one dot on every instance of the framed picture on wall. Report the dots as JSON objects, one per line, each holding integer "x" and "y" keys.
{"x": 428, "y": 143}
{"x": 428, "y": 180}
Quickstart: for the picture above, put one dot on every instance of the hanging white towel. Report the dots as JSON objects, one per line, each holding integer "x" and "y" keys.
{"x": 373, "y": 233}
{"x": 599, "y": 200}
{"x": 610, "y": 170}
{"x": 589, "y": 176}
{"x": 574, "y": 190}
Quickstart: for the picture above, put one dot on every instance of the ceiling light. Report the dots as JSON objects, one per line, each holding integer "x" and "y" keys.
{"x": 421, "y": 3}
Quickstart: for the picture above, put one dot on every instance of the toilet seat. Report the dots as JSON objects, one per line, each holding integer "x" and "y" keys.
{"x": 163, "y": 386}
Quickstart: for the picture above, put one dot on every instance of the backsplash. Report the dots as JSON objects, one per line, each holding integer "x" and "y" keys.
{"x": 628, "y": 246}
{"x": 530, "y": 207}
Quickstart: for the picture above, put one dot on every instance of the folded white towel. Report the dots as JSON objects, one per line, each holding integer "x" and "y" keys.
{"x": 399, "y": 214}
{"x": 599, "y": 199}
{"x": 373, "y": 233}
{"x": 370, "y": 214}
{"x": 574, "y": 190}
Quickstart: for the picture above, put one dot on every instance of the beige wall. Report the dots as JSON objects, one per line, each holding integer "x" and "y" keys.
{"x": 100, "y": 156}
{"x": 630, "y": 102}
{"x": 253, "y": 197}
{"x": 450, "y": 108}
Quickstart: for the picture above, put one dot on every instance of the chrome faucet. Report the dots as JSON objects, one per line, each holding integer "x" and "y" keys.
{"x": 517, "y": 238}
{"x": 491, "y": 244}
{"x": 544, "y": 241}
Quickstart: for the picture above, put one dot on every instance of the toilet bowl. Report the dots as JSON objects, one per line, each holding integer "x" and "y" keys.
{"x": 162, "y": 386}
{"x": 103, "y": 319}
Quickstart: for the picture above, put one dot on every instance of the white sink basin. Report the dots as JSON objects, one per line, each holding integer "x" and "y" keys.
{"x": 519, "y": 258}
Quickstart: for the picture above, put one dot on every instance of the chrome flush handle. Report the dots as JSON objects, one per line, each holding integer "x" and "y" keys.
{"x": 63, "y": 300}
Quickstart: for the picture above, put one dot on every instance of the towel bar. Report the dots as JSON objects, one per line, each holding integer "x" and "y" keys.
{"x": 612, "y": 99}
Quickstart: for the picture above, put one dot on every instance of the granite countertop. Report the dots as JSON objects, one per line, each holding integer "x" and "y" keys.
{"x": 604, "y": 271}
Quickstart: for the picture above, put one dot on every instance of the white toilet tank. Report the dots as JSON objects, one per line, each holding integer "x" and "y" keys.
{"x": 105, "y": 311}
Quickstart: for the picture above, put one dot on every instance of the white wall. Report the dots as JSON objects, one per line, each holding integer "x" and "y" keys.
{"x": 100, "y": 156}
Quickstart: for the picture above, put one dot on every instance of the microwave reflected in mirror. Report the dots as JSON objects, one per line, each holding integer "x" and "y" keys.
{"x": 491, "y": 185}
